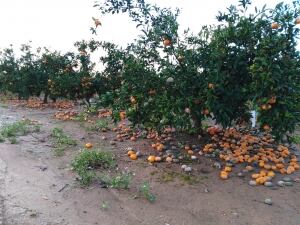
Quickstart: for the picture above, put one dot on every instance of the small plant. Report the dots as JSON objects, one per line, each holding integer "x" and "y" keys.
{"x": 19, "y": 128}
{"x": 104, "y": 205}
{"x": 87, "y": 161}
{"x": 61, "y": 141}
{"x": 295, "y": 139}
{"x": 13, "y": 140}
{"x": 120, "y": 181}
{"x": 145, "y": 191}
{"x": 81, "y": 117}
{"x": 100, "y": 125}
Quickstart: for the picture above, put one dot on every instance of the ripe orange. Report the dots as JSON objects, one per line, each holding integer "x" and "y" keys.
{"x": 266, "y": 127}
{"x": 272, "y": 100}
{"x": 227, "y": 169}
{"x": 169, "y": 159}
{"x": 211, "y": 86}
{"x": 152, "y": 92}
{"x": 130, "y": 152}
{"x": 151, "y": 159}
{"x": 205, "y": 112}
{"x": 274, "y": 25}
{"x": 223, "y": 175}
{"x": 157, "y": 159}
{"x": 132, "y": 100}
{"x": 180, "y": 58}
{"x": 133, "y": 156}
{"x": 88, "y": 145}
{"x": 133, "y": 138}
{"x": 167, "y": 42}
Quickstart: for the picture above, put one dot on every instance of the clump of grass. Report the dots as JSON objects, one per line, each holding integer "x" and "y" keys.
{"x": 87, "y": 161}
{"x": 18, "y": 128}
{"x": 295, "y": 139}
{"x": 83, "y": 116}
{"x": 119, "y": 181}
{"x": 104, "y": 205}
{"x": 145, "y": 191}
{"x": 61, "y": 141}
{"x": 99, "y": 125}
{"x": 171, "y": 176}
{"x": 13, "y": 140}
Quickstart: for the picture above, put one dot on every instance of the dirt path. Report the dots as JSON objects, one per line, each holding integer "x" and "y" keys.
{"x": 39, "y": 189}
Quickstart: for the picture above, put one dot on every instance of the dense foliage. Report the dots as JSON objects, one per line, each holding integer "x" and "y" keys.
{"x": 51, "y": 73}
{"x": 248, "y": 61}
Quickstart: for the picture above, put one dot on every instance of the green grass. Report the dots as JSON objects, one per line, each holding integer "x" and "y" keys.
{"x": 145, "y": 191}
{"x": 18, "y": 128}
{"x": 13, "y": 140}
{"x": 61, "y": 141}
{"x": 172, "y": 176}
{"x": 99, "y": 125}
{"x": 119, "y": 181}
{"x": 3, "y": 105}
{"x": 295, "y": 139}
{"x": 86, "y": 162}
{"x": 83, "y": 116}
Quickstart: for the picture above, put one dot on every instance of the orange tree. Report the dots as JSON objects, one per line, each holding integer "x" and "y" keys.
{"x": 275, "y": 71}
{"x": 87, "y": 84}
{"x": 157, "y": 79}
{"x": 8, "y": 70}
{"x": 171, "y": 80}
{"x": 253, "y": 58}
{"x": 21, "y": 75}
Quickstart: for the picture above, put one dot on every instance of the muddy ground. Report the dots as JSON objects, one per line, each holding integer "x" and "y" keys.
{"x": 39, "y": 188}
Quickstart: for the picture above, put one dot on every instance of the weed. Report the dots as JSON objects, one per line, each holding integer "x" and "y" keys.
{"x": 19, "y": 128}
{"x": 81, "y": 117}
{"x": 3, "y": 105}
{"x": 61, "y": 141}
{"x": 120, "y": 181}
{"x": 99, "y": 125}
{"x": 145, "y": 191}
{"x": 104, "y": 205}
{"x": 168, "y": 177}
{"x": 87, "y": 161}
{"x": 171, "y": 176}
{"x": 13, "y": 140}
{"x": 295, "y": 139}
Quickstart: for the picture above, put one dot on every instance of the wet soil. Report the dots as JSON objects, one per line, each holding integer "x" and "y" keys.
{"x": 39, "y": 188}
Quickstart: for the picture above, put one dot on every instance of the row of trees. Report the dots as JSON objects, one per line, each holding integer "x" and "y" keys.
{"x": 50, "y": 73}
{"x": 248, "y": 61}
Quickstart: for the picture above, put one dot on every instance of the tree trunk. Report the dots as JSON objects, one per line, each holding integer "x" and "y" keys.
{"x": 45, "y": 98}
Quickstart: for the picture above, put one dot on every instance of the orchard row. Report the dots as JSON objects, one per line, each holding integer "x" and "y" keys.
{"x": 248, "y": 61}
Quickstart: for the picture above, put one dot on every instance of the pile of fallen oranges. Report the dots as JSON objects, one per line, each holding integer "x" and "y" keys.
{"x": 258, "y": 153}
{"x": 66, "y": 115}
{"x": 39, "y": 104}
{"x": 104, "y": 113}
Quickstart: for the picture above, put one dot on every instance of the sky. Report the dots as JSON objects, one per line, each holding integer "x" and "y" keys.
{"x": 57, "y": 24}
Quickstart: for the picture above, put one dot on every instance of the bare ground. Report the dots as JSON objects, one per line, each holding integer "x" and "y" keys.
{"x": 38, "y": 188}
